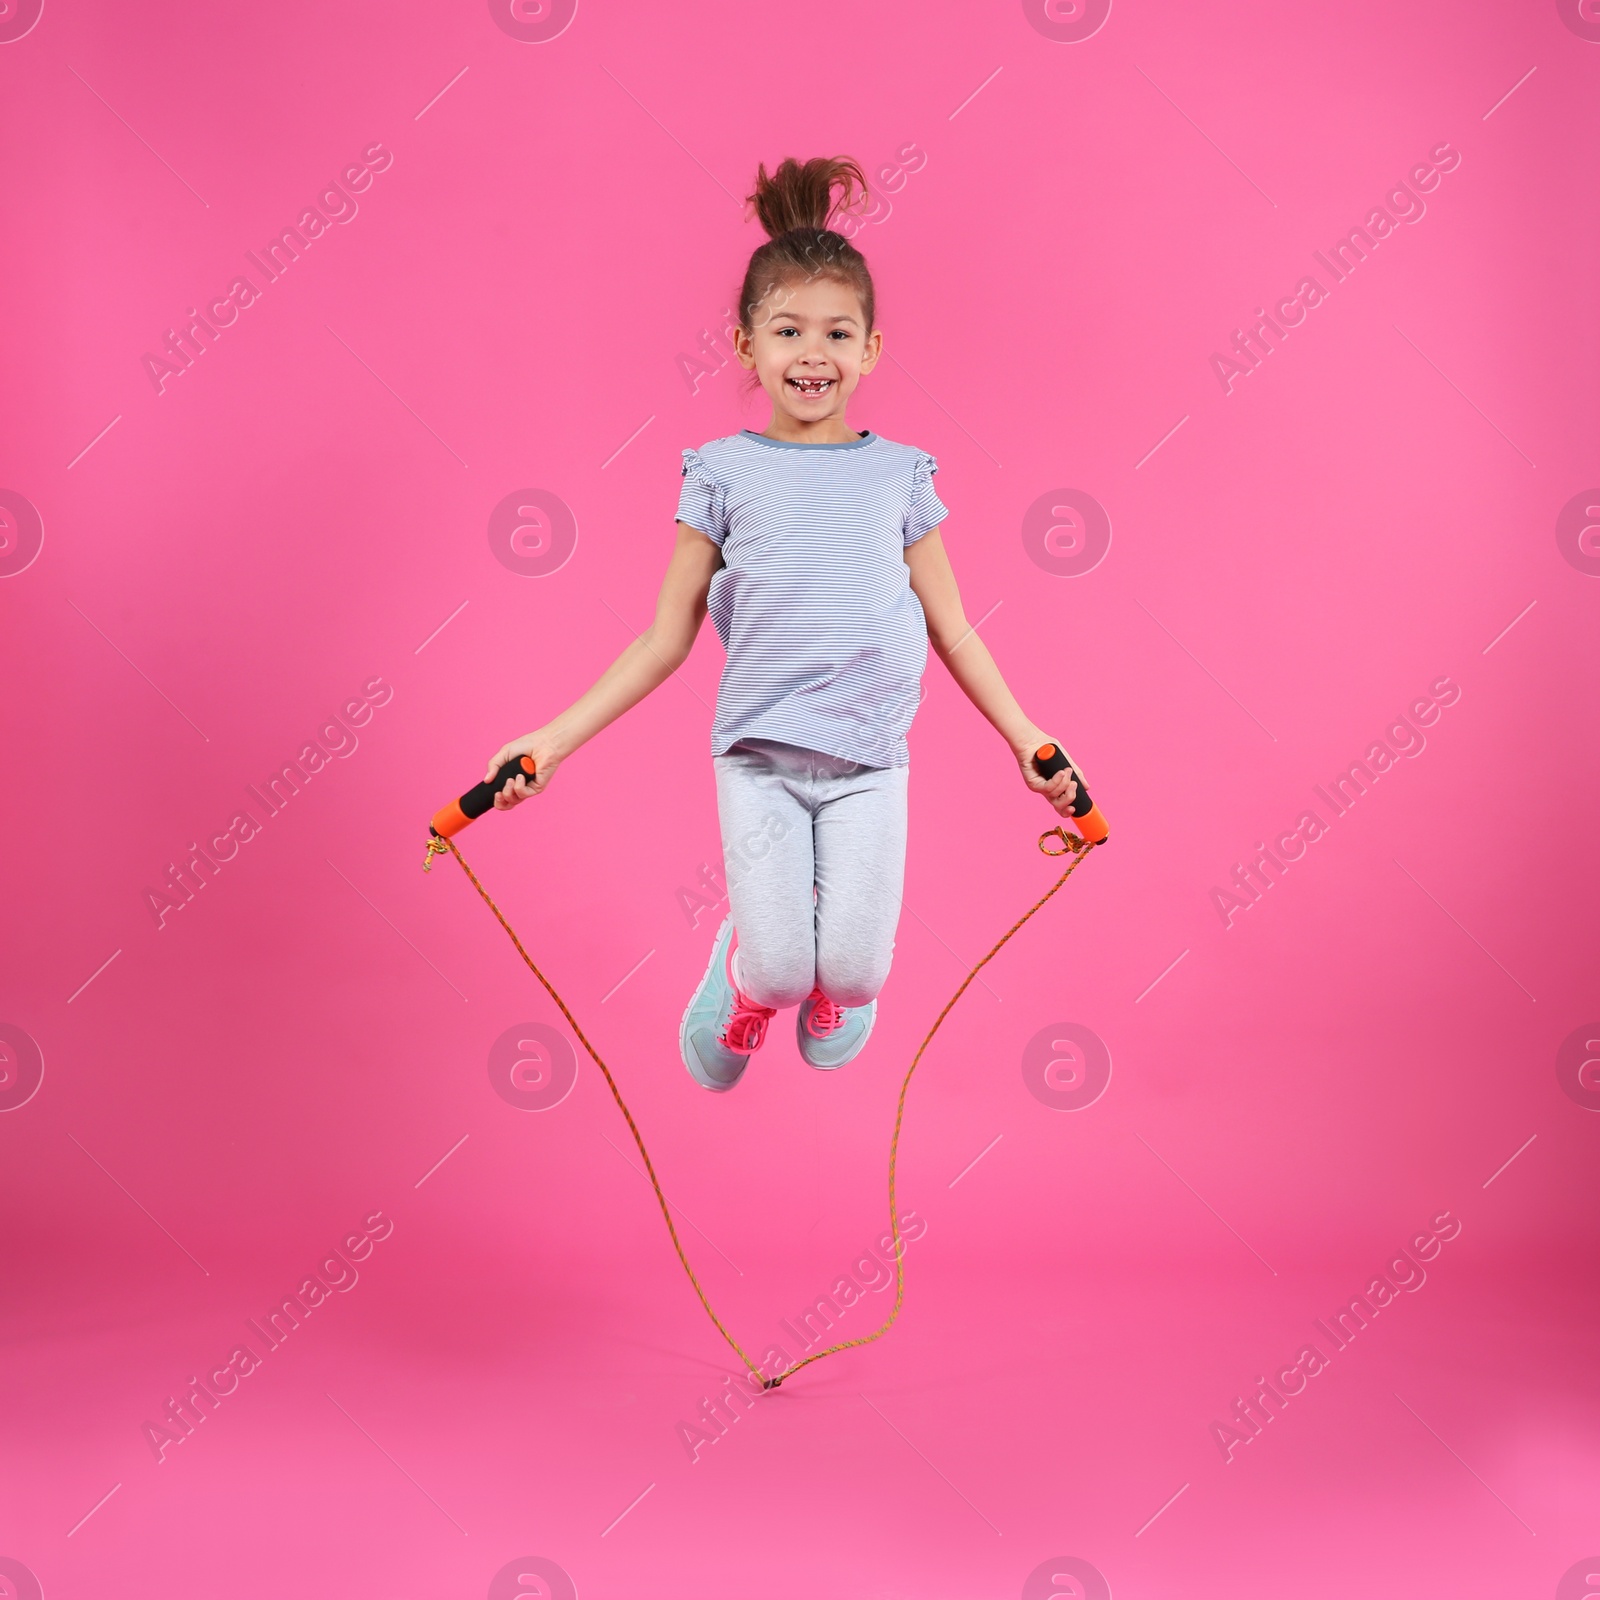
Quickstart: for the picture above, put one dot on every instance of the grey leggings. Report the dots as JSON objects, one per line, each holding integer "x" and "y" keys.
{"x": 794, "y": 821}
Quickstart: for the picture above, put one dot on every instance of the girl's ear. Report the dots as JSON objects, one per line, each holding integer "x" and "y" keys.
{"x": 744, "y": 348}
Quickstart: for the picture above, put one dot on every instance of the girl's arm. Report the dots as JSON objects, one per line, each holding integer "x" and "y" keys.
{"x": 971, "y": 665}
{"x": 648, "y": 662}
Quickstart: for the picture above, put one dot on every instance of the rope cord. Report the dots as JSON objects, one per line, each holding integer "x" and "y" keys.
{"x": 1071, "y": 844}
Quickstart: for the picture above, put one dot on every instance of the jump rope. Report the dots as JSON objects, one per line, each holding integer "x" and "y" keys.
{"x": 1048, "y": 760}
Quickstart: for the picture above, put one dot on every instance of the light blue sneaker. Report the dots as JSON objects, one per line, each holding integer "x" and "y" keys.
{"x": 721, "y": 1027}
{"x": 829, "y": 1034}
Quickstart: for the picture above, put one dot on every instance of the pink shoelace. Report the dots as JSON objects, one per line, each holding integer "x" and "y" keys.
{"x": 825, "y": 1015}
{"x": 747, "y": 1021}
{"x": 747, "y": 1024}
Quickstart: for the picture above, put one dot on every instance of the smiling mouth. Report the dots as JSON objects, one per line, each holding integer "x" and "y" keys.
{"x": 811, "y": 388}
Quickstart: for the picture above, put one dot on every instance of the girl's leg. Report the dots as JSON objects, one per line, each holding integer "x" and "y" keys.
{"x": 767, "y": 855}
{"x": 860, "y": 834}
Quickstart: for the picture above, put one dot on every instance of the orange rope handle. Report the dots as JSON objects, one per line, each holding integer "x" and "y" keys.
{"x": 1071, "y": 843}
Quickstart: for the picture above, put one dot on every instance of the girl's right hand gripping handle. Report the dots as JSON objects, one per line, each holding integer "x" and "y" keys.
{"x": 1050, "y": 759}
{"x": 480, "y": 798}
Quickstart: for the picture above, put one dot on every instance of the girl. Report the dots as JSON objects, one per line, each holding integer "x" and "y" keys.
{"x": 817, "y": 551}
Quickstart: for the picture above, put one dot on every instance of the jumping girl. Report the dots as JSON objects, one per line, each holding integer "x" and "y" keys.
{"x": 817, "y": 551}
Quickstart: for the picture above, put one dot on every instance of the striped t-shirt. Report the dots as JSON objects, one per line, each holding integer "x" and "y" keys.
{"x": 826, "y": 640}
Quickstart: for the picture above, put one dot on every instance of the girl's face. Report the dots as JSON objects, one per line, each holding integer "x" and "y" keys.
{"x": 809, "y": 348}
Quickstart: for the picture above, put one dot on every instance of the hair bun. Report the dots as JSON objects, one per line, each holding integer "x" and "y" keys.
{"x": 800, "y": 195}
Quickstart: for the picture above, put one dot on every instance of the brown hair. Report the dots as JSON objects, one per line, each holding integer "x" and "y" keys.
{"x": 795, "y": 205}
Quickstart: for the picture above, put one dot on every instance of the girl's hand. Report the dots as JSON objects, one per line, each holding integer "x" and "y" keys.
{"x": 547, "y": 756}
{"x": 1060, "y": 790}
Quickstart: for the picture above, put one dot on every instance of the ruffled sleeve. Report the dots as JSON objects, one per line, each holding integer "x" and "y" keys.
{"x": 925, "y": 510}
{"x": 701, "y": 502}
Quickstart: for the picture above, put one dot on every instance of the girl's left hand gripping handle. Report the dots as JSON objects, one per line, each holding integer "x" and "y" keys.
{"x": 1050, "y": 759}
{"x": 480, "y": 798}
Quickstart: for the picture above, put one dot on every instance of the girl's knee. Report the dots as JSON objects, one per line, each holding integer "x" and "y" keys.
{"x": 774, "y": 981}
{"x": 779, "y": 994}
{"x": 852, "y": 983}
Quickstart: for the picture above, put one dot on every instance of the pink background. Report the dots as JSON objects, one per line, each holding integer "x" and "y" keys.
{"x": 305, "y": 509}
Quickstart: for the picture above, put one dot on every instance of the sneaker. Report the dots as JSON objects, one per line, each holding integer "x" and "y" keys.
{"x": 830, "y": 1034}
{"x": 721, "y": 1027}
